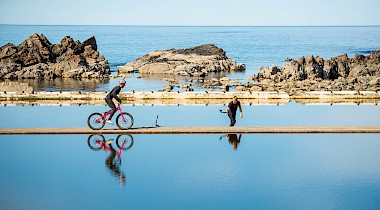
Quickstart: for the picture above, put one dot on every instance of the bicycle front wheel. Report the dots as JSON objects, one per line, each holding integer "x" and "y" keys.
{"x": 95, "y": 121}
{"x": 95, "y": 142}
{"x": 124, "y": 141}
{"x": 124, "y": 121}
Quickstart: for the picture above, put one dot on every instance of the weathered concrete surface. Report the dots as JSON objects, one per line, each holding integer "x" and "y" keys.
{"x": 88, "y": 96}
{"x": 189, "y": 98}
{"x": 199, "y": 130}
{"x": 140, "y": 95}
{"x": 148, "y": 102}
{"x": 191, "y": 102}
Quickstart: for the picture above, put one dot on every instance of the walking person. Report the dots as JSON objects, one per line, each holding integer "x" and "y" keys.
{"x": 234, "y": 140}
{"x": 113, "y": 95}
{"x": 232, "y": 108}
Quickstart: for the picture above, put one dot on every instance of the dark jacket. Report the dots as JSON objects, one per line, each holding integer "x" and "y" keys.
{"x": 113, "y": 94}
{"x": 233, "y": 107}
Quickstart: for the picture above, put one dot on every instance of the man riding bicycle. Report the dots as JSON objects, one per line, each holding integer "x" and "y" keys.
{"x": 113, "y": 95}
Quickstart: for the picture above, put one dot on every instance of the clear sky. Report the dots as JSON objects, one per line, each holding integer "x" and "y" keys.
{"x": 191, "y": 12}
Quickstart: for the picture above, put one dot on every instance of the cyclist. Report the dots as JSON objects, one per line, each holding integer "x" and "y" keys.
{"x": 113, "y": 94}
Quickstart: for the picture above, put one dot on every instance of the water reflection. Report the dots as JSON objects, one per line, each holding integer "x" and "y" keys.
{"x": 233, "y": 139}
{"x": 66, "y": 84}
{"x": 113, "y": 161}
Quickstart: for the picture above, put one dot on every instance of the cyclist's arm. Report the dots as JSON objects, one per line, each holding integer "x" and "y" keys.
{"x": 114, "y": 95}
{"x": 117, "y": 98}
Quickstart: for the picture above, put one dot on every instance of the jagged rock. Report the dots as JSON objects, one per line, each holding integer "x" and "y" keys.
{"x": 375, "y": 81}
{"x": 168, "y": 88}
{"x": 255, "y": 89}
{"x": 358, "y": 73}
{"x": 224, "y": 87}
{"x": 36, "y": 57}
{"x": 183, "y": 86}
{"x": 248, "y": 84}
{"x": 240, "y": 88}
{"x": 196, "y": 61}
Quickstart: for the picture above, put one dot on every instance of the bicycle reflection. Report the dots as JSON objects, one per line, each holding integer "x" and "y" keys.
{"x": 233, "y": 139}
{"x": 113, "y": 161}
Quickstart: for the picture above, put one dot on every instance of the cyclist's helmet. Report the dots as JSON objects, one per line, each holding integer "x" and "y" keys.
{"x": 122, "y": 82}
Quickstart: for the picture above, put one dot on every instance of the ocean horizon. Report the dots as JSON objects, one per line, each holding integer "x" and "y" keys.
{"x": 177, "y": 171}
{"x": 254, "y": 46}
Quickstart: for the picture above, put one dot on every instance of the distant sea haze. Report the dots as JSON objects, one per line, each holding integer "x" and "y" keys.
{"x": 254, "y": 46}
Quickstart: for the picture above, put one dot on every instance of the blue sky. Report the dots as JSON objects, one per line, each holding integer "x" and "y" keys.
{"x": 191, "y": 12}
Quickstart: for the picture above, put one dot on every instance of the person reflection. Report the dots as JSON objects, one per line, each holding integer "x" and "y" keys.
{"x": 124, "y": 142}
{"x": 234, "y": 140}
{"x": 113, "y": 163}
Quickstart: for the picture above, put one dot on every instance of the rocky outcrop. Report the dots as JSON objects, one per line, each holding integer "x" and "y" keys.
{"x": 10, "y": 86}
{"x": 197, "y": 61}
{"x": 36, "y": 57}
{"x": 338, "y": 73}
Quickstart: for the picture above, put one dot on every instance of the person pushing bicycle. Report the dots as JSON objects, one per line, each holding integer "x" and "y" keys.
{"x": 113, "y": 95}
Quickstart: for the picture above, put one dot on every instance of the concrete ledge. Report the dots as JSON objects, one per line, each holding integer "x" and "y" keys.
{"x": 199, "y": 130}
{"x": 193, "y": 97}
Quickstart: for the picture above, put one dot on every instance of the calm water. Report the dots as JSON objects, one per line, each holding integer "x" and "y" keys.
{"x": 202, "y": 115}
{"x": 255, "y": 46}
{"x": 194, "y": 171}
{"x": 191, "y": 172}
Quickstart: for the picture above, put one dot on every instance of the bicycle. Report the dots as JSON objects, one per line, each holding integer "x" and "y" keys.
{"x": 97, "y": 142}
{"x": 113, "y": 161}
{"x": 124, "y": 120}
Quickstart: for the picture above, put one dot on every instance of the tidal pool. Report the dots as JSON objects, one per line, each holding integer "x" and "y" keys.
{"x": 190, "y": 172}
{"x": 291, "y": 114}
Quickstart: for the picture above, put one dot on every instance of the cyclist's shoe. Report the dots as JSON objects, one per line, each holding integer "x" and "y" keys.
{"x": 109, "y": 121}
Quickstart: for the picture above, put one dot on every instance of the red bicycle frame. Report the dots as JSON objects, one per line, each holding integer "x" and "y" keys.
{"x": 104, "y": 116}
{"x": 103, "y": 145}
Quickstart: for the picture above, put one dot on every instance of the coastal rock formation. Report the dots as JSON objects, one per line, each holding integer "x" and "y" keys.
{"x": 338, "y": 73}
{"x": 197, "y": 61}
{"x": 17, "y": 87}
{"x": 36, "y": 57}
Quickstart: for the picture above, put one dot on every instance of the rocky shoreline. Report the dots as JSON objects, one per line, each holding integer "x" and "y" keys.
{"x": 340, "y": 73}
{"x": 37, "y": 58}
{"x": 192, "y": 62}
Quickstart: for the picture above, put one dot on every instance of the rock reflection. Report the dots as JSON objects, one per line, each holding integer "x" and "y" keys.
{"x": 113, "y": 161}
{"x": 65, "y": 84}
{"x": 233, "y": 139}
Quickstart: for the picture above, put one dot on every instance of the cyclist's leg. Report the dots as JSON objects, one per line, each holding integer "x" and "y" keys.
{"x": 112, "y": 106}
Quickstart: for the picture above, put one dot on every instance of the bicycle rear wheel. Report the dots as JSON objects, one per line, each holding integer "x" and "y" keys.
{"x": 124, "y": 121}
{"x": 95, "y": 141}
{"x": 95, "y": 121}
{"x": 127, "y": 139}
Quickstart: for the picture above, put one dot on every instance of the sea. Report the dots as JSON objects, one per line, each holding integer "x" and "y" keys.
{"x": 253, "y": 46}
{"x": 179, "y": 171}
